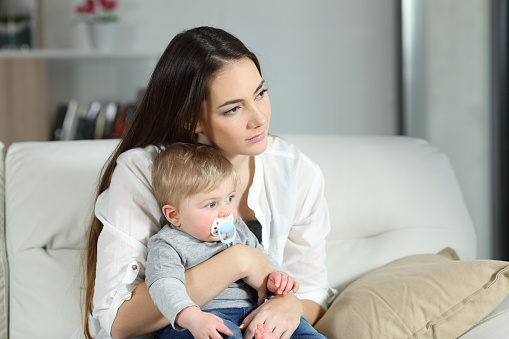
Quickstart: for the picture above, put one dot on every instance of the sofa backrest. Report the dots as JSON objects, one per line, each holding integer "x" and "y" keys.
{"x": 388, "y": 197}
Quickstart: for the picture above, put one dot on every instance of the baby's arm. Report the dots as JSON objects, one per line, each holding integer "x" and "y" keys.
{"x": 165, "y": 278}
{"x": 280, "y": 282}
{"x": 202, "y": 324}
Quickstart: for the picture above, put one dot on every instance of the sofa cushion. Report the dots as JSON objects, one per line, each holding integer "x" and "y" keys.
{"x": 49, "y": 193}
{"x": 419, "y": 296}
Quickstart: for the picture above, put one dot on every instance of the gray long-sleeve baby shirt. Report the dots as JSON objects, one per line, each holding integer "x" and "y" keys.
{"x": 171, "y": 252}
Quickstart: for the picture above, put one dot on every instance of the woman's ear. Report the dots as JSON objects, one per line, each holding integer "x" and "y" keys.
{"x": 198, "y": 128}
{"x": 171, "y": 214}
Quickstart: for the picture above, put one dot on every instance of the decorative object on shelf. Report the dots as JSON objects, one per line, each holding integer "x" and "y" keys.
{"x": 15, "y": 26}
{"x": 102, "y": 35}
{"x": 101, "y": 21}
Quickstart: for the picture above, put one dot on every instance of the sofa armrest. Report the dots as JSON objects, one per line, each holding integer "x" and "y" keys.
{"x": 3, "y": 258}
{"x": 49, "y": 194}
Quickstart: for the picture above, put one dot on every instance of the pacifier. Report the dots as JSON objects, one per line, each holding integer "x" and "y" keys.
{"x": 222, "y": 226}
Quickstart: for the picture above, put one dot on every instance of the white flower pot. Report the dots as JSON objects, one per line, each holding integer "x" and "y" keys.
{"x": 103, "y": 35}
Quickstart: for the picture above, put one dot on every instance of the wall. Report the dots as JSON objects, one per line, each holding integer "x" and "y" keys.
{"x": 329, "y": 65}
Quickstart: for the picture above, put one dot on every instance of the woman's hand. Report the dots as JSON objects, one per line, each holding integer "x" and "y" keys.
{"x": 281, "y": 314}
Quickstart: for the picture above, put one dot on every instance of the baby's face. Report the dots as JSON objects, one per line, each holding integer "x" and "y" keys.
{"x": 198, "y": 212}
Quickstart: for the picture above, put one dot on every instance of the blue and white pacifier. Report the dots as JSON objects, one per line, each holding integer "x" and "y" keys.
{"x": 222, "y": 226}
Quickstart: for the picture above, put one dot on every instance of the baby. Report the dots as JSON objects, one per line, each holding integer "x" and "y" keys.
{"x": 195, "y": 187}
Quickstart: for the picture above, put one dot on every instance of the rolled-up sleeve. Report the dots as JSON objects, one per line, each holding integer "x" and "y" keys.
{"x": 288, "y": 198}
{"x": 130, "y": 216}
{"x": 305, "y": 249}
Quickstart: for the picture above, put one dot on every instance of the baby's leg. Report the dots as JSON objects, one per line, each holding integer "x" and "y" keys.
{"x": 263, "y": 332}
{"x": 171, "y": 333}
{"x": 231, "y": 317}
{"x": 305, "y": 330}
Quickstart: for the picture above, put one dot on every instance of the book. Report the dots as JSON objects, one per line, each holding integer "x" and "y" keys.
{"x": 86, "y": 124}
{"x": 111, "y": 111}
{"x": 70, "y": 121}
{"x": 58, "y": 122}
{"x": 122, "y": 120}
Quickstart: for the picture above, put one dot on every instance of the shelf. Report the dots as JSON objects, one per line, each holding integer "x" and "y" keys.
{"x": 75, "y": 54}
{"x": 49, "y": 77}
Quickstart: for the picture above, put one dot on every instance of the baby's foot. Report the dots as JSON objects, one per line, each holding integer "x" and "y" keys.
{"x": 263, "y": 332}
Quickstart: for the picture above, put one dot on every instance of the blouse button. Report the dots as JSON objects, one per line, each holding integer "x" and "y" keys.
{"x": 134, "y": 267}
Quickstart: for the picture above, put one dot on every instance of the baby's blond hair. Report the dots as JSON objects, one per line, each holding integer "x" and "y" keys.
{"x": 182, "y": 170}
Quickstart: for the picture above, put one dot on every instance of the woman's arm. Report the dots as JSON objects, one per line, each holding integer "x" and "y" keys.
{"x": 219, "y": 272}
{"x": 139, "y": 315}
{"x": 312, "y": 311}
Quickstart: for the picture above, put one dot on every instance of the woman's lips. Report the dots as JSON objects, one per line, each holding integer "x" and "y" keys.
{"x": 257, "y": 137}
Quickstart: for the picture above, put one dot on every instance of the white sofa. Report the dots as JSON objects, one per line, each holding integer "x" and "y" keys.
{"x": 389, "y": 197}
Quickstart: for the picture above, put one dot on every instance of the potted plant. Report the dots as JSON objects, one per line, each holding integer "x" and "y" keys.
{"x": 101, "y": 19}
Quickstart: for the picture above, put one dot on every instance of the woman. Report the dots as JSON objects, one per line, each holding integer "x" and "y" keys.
{"x": 207, "y": 87}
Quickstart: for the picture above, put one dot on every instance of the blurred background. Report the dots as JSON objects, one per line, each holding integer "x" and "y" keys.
{"x": 432, "y": 69}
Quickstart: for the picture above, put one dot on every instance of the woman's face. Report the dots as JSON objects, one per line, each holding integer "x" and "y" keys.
{"x": 236, "y": 115}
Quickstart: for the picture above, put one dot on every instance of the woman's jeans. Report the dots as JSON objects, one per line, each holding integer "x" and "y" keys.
{"x": 232, "y": 318}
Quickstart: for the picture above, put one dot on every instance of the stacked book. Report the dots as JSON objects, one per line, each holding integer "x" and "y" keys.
{"x": 75, "y": 121}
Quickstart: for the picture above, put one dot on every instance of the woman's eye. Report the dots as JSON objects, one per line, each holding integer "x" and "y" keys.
{"x": 231, "y": 111}
{"x": 262, "y": 93}
{"x": 211, "y": 205}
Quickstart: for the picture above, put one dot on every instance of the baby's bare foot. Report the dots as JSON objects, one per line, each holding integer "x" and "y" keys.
{"x": 263, "y": 332}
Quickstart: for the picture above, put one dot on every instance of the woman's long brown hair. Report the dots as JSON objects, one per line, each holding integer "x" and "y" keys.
{"x": 172, "y": 101}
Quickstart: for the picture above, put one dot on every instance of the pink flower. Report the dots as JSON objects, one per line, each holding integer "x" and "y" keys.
{"x": 108, "y": 4}
{"x": 88, "y": 7}
{"x": 95, "y": 11}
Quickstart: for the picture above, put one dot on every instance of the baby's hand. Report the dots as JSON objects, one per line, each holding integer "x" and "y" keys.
{"x": 281, "y": 283}
{"x": 202, "y": 324}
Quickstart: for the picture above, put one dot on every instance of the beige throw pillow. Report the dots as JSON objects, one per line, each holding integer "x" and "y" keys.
{"x": 420, "y": 296}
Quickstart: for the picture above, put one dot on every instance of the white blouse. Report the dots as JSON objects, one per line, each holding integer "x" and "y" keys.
{"x": 287, "y": 196}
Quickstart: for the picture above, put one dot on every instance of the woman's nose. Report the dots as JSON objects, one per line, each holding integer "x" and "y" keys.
{"x": 257, "y": 118}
